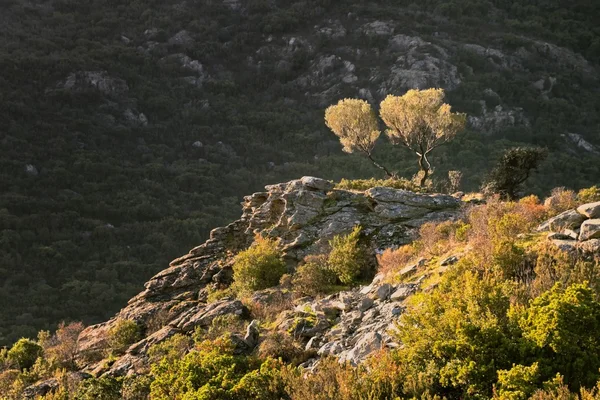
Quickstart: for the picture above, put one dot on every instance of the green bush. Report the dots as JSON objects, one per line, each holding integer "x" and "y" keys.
{"x": 365, "y": 184}
{"x": 24, "y": 353}
{"x": 122, "y": 335}
{"x": 259, "y": 267}
{"x": 313, "y": 277}
{"x": 589, "y": 195}
{"x": 104, "y": 388}
{"x": 347, "y": 257}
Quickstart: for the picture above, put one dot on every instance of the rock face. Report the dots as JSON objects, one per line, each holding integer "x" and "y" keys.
{"x": 303, "y": 214}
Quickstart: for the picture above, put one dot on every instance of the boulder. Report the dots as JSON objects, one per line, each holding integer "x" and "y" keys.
{"x": 402, "y": 292}
{"x": 570, "y": 219}
{"x": 252, "y": 334}
{"x": 384, "y": 291}
{"x": 366, "y": 345}
{"x": 317, "y": 183}
{"x": 565, "y": 245}
{"x": 590, "y": 229}
{"x": 591, "y": 246}
{"x": 590, "y": 210}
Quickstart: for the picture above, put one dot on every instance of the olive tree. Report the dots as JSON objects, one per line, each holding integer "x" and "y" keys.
{"x": 421, "y": 121}
{"x": 354, "y": 122}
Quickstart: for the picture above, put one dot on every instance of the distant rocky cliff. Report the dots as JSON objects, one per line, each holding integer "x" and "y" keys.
{"x": 303, "y": 214}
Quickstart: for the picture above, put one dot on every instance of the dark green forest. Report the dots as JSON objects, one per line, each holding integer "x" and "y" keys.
{"x": 106, "y": 177}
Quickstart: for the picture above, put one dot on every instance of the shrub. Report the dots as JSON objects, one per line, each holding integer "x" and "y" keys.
{"x": 61, "y": 347}
{"x": 171, "y": 349}
{"x": 279, "y": 345}
{"x": 366, "y": 184}
{"x": 259, "y": 267}
{"x": 122, "y": 335}
{"x": 347, "y": 257}
{"x": 560, "y": 200}
{"x": 392, "y": 260}
{"x": 589, "y": 195}
{"x": 104, "y": 388}
{"x": 136, "y": 387}
{"x": 517, "y": 383}
{"x": 313, "y": 277}
{"x": 24, "y": 353}
{"x": 564, "y": 326}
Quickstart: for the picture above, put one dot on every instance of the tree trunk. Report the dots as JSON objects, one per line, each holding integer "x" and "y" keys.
{"x": 425, "y": 167}
{"x": 381, "y": 167}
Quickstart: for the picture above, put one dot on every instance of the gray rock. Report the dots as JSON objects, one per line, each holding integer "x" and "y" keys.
{"x": 205, "y": 315}
{"x": 590, "y": 229}
{"x": 570, "y": 219}
{"x": 408, "y": 270}
{"x": 591, "y": 246}
{"x": 317, "y": 183}
{"x": 429, "y": 201}
{"x": 449, "y": 261}
{"x": 384, "y": 291}
{"x": 590, "y": 210}
{"x": 567, "y": 234}
{"x": 565, "y": 245}
{"x": 402, "y": 292}
{"x": 332, "y": 348}
{"x": 365, "y": 304}
{"x": 252, "y": 334}
{"x": 31, "y": 170}
{"x": 366, "y": 345}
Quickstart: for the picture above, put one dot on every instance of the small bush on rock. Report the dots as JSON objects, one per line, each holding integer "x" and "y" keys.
{"x": 259, "y": 267}
{"x": 313, "y": 277}
{"x": 347, "y": 258}
{"x": 122, "y": 335}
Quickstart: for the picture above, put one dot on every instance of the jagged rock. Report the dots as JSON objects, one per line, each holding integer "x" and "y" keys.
{"x": 590, "y": 229}
{"x": 384, "y": 291}
{"x": 590, "y": 210}
{"x": 581, "y": 143}
{"x": 99, "y": 80}
{"x": 449, "y": 261}
{"x": 206, "y": 314}
{"x": 565, "y": 245}
{"x": 365, "y": 304}
{"x": 369, "y": 343}
{"x": 567, "y": 234}
{"x": 402, "y": 292}
{"x": 591, "y": 246}
{"x": 252, "y": 334}
{"x": 330, "y": 349}
{"x": 408, "y": 270}
{"x": 303, "y": 215}
{"x": 428, "y": 201}
{"x": 317, "y": 183}
{"x": 570, "y": 219}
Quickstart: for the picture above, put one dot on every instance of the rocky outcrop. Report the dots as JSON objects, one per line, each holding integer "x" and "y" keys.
{"x": 303, "y": 215}
{"x": 576, "y": 230}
